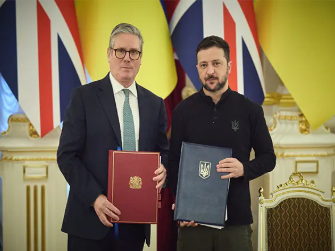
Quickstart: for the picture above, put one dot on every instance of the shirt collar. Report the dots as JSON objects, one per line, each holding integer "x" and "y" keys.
{"x": 117, "y": 87}
{"x": 209, "y": 99}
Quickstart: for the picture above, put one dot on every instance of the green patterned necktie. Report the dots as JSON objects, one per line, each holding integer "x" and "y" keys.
{"x": 129, "y": 143}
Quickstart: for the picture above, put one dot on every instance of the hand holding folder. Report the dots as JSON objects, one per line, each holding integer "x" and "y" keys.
{"x": 106, "y": 210}
{"x": 201, "y": 193}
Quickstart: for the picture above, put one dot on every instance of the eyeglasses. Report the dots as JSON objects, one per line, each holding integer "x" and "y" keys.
{"x": 121, "y": 53}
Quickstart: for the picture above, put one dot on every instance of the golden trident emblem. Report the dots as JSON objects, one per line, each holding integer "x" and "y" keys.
{"x": 204, "y": 169}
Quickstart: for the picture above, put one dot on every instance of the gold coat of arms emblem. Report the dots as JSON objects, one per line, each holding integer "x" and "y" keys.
{"x": 135, "y": 182}
{"x": 204, "y": 169}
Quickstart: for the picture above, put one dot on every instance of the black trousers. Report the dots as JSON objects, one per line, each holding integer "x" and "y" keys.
{"x": 201, "y": 238}
{"x": 131, "y": 237}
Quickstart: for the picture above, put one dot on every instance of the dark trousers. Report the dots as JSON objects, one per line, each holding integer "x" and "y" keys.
{"x": 131, "y": 237}
{"x": 201, "y": 238}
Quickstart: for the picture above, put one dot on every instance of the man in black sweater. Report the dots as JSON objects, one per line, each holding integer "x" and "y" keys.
{"x": 218, "y": 116}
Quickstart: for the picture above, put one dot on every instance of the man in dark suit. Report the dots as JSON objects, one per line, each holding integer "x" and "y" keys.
{"x": 105, "y": 115}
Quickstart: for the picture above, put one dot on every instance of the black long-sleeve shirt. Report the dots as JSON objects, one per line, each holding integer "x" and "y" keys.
{"x": 234, "y": 122}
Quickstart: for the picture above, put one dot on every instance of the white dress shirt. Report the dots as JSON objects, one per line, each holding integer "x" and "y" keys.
{"x": 133, "y": 101}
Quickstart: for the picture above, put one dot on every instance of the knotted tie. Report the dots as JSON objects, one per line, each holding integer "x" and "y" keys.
{"x": 129, "y": 143}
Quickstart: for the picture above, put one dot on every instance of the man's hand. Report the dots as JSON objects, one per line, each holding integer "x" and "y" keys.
{"x": 232, "y": 166}
{"x": 104, "y": 208}
{"x": 160, "y": 176}
{"x": 186, "y": 223}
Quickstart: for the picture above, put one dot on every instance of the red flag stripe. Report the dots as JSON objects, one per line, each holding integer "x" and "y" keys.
{"x": 230, "y": 37}
{"x": 170, "y": 7}
{"x": 67, "y": 8}
{"x": 248, "y": 10}
{"x": 45, "y": 70}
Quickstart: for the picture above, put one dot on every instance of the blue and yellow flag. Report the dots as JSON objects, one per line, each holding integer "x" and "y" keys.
{"x": 96, "y": 20}
{"x": 298, "y": 37}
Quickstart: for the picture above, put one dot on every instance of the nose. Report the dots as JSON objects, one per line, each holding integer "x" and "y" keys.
{"x": 127, "y": 56}
{"x": 210, "y": 70}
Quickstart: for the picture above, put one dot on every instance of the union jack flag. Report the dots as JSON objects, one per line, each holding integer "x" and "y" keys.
{"x": 234, "y": 21}
{"x": 40, "y": 57}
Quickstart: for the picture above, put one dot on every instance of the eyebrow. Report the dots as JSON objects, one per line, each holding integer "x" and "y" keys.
{"x": 214, "y": 60}
{"x": 130, "y": 49}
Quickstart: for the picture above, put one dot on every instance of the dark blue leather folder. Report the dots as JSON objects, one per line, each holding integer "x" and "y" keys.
{"x": 201, "y": 193}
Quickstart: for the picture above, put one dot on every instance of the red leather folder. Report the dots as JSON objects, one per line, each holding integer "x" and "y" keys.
{"x": 130, "y": 185}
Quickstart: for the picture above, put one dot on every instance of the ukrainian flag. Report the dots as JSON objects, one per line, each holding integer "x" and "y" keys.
{"x": 298, "y": 37}
{"x": 96, "y": 20}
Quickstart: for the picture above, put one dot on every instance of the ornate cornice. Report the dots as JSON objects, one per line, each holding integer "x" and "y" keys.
{"x": 288, "y": 155}
{"x": 287, "y": 117}
{"x": 292, "y": 182}
{"x": 31, "y": 130}
{"x": 304, "y": 127}
{"x": 11, "y": 158}
{"x": 282, "y": 100}
{"x": 274, "y": 123}
{"x": 286, "y": 100}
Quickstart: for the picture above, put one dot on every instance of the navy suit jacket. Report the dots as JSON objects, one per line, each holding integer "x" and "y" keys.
{"x": 90, "y": 129}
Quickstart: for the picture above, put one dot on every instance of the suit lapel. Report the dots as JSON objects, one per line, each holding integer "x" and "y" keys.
{"x": 144, "y": 109}
{"x": 107, "y": 100}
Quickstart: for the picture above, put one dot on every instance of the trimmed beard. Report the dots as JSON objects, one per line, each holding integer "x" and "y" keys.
{"x": 218, "y": 87}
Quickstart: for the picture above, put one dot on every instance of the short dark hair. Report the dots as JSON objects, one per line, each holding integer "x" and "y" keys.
{"x": 214, "y": 41}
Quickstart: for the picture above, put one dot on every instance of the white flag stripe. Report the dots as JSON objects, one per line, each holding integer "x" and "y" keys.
{"x": 63, "y": 31}
{"x": 237, "y": 14}
{"x": 55, "y": 76}
{"x": 1, "y": 2}
{"x": 27, "y": 48}
{"x": 175, "y": 56}
{"x": 180, "y": 10}
{"x": 239, "y": 62}
{"x": 213, "y": 18}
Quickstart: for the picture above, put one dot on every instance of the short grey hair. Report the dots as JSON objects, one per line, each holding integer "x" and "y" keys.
{"x": 124, "y": 28}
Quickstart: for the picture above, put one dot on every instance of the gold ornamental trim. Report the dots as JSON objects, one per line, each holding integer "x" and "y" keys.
{"x": 288, "y": 117}
{"x": 316, "y": 162}
{"x": 260, "y": 191}
{"x": 290, "y": 155}
{"x": 299, "y": 182}
{"x": 274, "y": 123}
{"x": 304, "y": 127}
{"x": 304, "y": 147}
{"x": 28, "y": 218}
{"x": 39, "y": 176}
{"x": 282, "y": 100}
{"x": 18, "y": 119}
{"x": 21, "y": 150}
{"x": 43, "y": 229}
{"x": 11, "y": 158}
{"x": 271, "y": 99}
{"x": 35, "y": 218}
{"x": 298, "y": 191}
{"x": 262, "y": 228}
{"x": 286, "y": 100}
{"x": 14, "y": 119}
{"x": 31, "y": 130}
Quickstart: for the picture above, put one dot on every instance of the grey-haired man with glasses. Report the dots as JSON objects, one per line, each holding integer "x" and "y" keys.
{"x": 112, "y": 113}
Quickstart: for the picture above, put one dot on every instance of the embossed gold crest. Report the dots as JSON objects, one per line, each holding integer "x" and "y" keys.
{"x": 204, "y": 169}
{"x": 135, "y": 182}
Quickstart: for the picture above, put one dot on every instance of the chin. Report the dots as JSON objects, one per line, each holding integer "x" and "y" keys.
{"x": 212, "y": 86}
{"x": 126, "y": 74}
